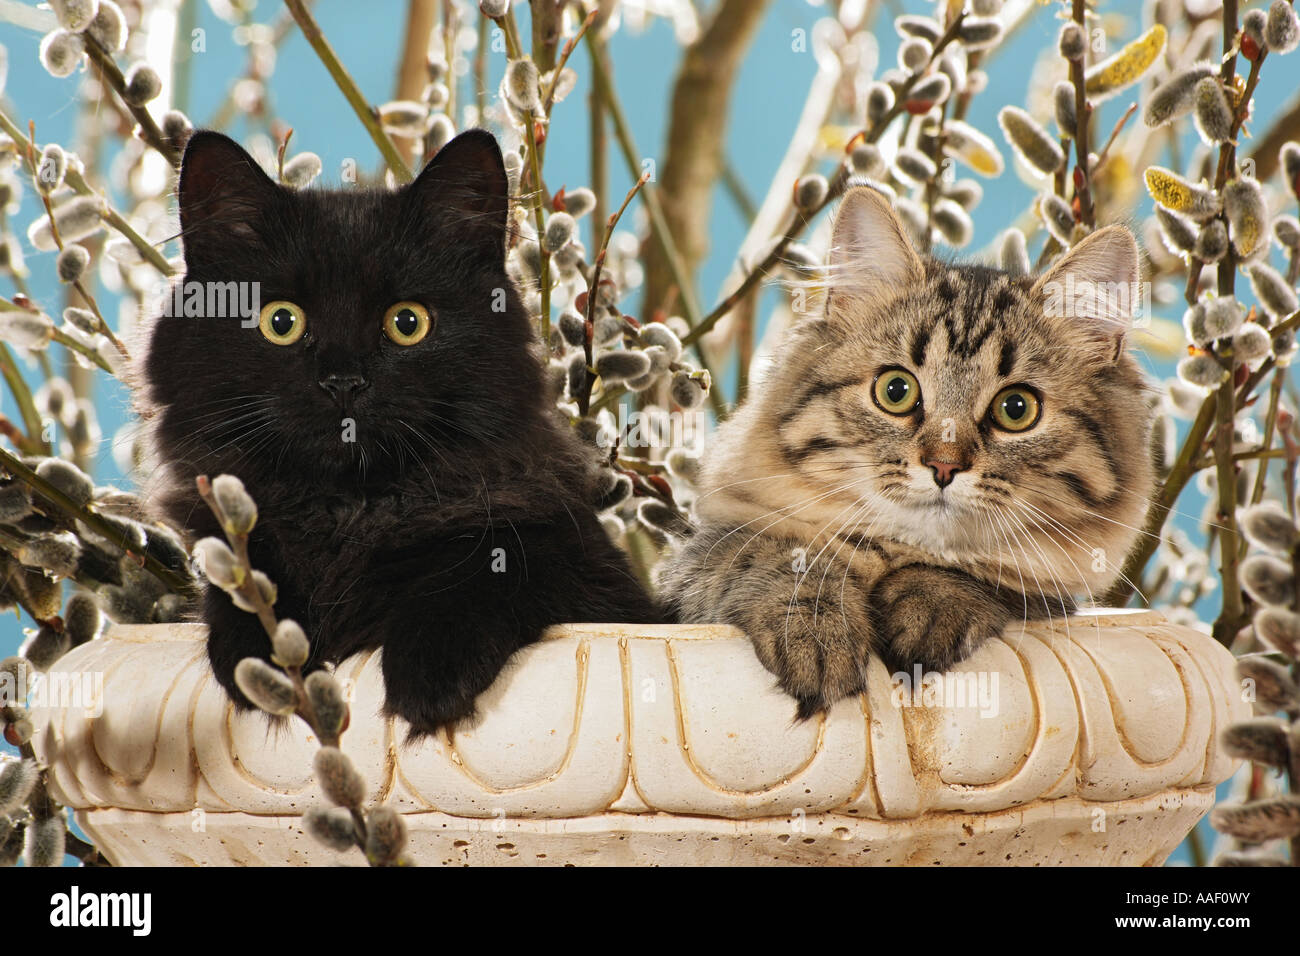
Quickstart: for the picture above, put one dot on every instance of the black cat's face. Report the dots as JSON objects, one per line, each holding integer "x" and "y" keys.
{"x": 367, "y": 333}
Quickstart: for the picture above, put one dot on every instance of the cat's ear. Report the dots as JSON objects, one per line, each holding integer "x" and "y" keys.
{"x": 222, "y": 193}
{"x": 465, "y": 189}
{"x": 1096, "y": 288}
{"x": 871, "y": 257}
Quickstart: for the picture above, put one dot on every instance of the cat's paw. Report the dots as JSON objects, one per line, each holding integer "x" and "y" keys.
{"x": 935, "y": 617}
{"x": 817, "y": 661}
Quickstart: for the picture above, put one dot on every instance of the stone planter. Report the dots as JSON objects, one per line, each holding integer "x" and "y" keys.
{"x": 1094, "y": 743}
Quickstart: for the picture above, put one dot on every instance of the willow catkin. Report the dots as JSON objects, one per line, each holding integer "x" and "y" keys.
{"x": 326, "y": 696}
{"x": 1175, "y": 97}
{"x": 1211, "y": 242}
{"x": 1013, "y": 253}
{"x": 289, "y": 644}
{"x": 338, "y": 779}
{"x": 333, "y": 827}
{"x": 45, "y": 842}
{"x": 17, "y": 778}
{"x": 1126, "y": 67}
{"x": 1251, "y": 343}
{"x": 1262, "y": 740}
{"x": 1178, "y": 231}
{"x": 269, "y": 689}
{"x": 1031, "y": 142}
{"x": 1057, "y": 216}
{"x": 1174, "y": 192}
{"x": 1282, "y": 31}
{"x": 964, "y": 142}
{"x": 1273, "y": 686}
{"x": 1063, "y": 108}
{"x": 1211, "y": 112}
{"x": 1259, "y": 821}
{"x": 1272, "y": 290}
{"x": 1279, "y": 628}
{"x": 1269, "y": 580}
{"x": 385, "y": 835}
{"x": 1243, "y": 203}
{"x": 238, "y": 510}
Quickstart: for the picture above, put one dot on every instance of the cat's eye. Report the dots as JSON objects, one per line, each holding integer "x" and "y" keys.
{"x": 896, "y": 391}
{"x": 282, "y": 322}
{"x": 1016, "y": 409}
{"x": 407, "y": 323}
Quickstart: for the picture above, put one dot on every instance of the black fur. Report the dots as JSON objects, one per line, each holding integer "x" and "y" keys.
{"x": 458, "y": 524}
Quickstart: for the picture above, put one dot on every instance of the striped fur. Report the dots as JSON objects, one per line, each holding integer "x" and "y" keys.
{"x": 825, "y": 537}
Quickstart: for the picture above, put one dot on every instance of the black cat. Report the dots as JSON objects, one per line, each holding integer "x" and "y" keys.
{"x": 386, "y": 410}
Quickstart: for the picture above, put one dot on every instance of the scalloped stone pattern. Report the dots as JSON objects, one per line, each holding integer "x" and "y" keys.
{"x": 1095, "y": 742}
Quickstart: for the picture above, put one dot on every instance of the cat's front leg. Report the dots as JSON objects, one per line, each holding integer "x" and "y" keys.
{"x": 233, "y": 634}
{"x": 936, "y": 616}
{"x": 805, "y": 612}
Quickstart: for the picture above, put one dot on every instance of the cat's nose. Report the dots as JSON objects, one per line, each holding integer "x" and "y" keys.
{"x": 944, "y": 470}
{"x": 342, "y": 387}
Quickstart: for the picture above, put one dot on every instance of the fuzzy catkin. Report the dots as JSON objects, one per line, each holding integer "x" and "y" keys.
{"x": 268, "y": 688}
{"x": 1272, "y": 290}
{"x": 1262, "y": 740}
{"x": 1013, "y": 254}
{"x": 326, "y": 696}
{"x": 338, "y": 779}
{"x": 333, "y": 827}
{"x": 1259, "y": 820}
{"x": 1033, "y": 143}
{"x": 17, "y": 778}
{"x": 385, "y": 835}
{"x": 1175, "y": 97}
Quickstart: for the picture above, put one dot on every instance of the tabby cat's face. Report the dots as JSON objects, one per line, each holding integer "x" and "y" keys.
{"x": 950, "y": 408}
{"x": 387, "y": 334}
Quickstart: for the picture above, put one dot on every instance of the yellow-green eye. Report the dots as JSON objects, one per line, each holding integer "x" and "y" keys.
{"x": 1016, "y": 409}
{"x": 282, "y": 322}
{"x": 407, "y": 323}
{"x": 896, "y": 391}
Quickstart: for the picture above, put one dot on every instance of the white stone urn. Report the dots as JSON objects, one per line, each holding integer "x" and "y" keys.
{"x": 1093, "y": 741}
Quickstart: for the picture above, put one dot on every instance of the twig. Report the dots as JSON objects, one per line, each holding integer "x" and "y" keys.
{"x": 593, "y": 293}
{"x": 1083, "y": 115}
{"x": 343, "y": 80}
{"x": 90, "y": 519}
{"x": 658, "y": 224}
{"x": 79, "y": 185}
{"x": 109, "y": 72}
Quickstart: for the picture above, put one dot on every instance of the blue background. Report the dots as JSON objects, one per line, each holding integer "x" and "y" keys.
{"x": 765, "y": 107}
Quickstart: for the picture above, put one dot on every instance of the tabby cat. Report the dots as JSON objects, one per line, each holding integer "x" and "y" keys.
{"x": 947, "y": 450}
{"x": 387, "y": 412}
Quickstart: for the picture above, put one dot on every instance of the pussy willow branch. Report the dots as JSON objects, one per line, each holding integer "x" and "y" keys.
{"x": 109, "y": 72}
{"x": 90, "y": 519}
{"x": 801, "y": 218}
{"x": 77, "y": 284}
{"x": 249, "y": 591}
{"x": 32, "y": 442}
{"x": 1185, "y": 466}
{"x": 593, "y": 293}
{"x": 603, "y": 81}
{"x": 692, "y": 155}
{"x": 79, "y": 185}
{"x": 1083, "y": 116}
{"x": 348, "y": 87}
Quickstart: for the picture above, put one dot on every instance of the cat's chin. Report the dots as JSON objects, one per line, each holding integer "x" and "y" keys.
{"x": 942, "y": 524}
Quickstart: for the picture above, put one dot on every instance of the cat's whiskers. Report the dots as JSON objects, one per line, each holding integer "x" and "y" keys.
{"x": 1083, "y": 545}
{"x": 1054, "y": 578}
